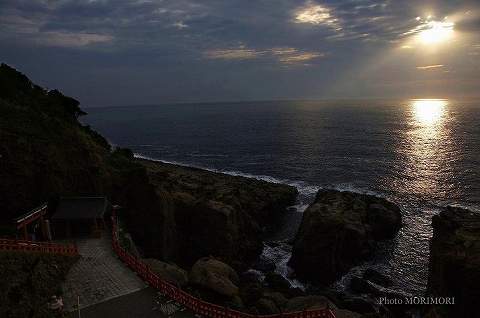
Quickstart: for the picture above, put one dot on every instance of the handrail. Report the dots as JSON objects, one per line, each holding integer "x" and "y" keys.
{"x": 42, "y": 247}
{"x": 195, "y": 304}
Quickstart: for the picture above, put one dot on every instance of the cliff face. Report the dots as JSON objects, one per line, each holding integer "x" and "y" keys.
{"x": 454, "y": 269}
{"x": 338, "y": 231}
{"x": 217, "y": 214}
{"x": 174, "y": 213}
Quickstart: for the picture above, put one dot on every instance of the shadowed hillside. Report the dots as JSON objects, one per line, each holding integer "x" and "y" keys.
{"x": 173, "y": 213}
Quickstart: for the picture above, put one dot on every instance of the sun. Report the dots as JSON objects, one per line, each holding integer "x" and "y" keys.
{"x": 436, "y": 32}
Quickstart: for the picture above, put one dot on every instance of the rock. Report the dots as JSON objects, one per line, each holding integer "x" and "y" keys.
{"x": 343, "y": 313}
{"x": 251, "y": 293}
{"x": 338, "y": 231}
{"x": 377, "y": 277}
{"x": 215, "y": 276}
{"x": 308, "y": 302}
{"x": 219, "y": 215}
{"x": 277, "y": 282}
{"x": 235, "y": 303}
{"x": 360, "y": 305}
{"x": 454, "y": 268}
{"x": 278, "y": 298}
{"x": 364, "y": 286}
{"x": 169, "y": 272}
{"x": 251, "y": 276}
{"x": 264, "y": 265}
{"x": 267, "y": 307}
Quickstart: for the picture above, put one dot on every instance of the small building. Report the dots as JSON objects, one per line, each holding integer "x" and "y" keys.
{"x": 76, "y": 217}
{"x": 32, "y": 225}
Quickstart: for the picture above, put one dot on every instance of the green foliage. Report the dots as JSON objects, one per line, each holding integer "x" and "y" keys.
{"x": 99, "y": 139}
{"x": 45, "y": 152}
{"x": 28, "y": 281}
{"x": 18, "y": 89}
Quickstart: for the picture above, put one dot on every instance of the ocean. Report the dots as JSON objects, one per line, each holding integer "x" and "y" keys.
{"x": 422, "y": 154}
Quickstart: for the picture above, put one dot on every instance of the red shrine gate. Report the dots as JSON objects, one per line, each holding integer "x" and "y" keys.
{"x": 31, "y": 225}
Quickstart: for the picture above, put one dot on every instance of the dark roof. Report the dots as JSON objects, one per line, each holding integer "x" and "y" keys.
{"x": 74, "y": 208}
{"x": 30, "y": 213}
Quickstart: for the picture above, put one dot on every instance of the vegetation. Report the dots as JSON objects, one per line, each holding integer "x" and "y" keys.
{"x": 45, "y": 152}
{"x": 28, "y": 281}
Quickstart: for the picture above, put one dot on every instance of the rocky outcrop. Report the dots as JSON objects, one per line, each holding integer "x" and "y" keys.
{"x": 338, "y": 231}
{"x": 219, "y": 215}
{"x": 216, "y": 276}
{"x": 454, "y": 269}
{"x": 169, "y": 272}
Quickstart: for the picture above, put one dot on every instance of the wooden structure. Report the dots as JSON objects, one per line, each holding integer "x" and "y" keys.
{"x": 31, "y": 225}
{"x": 79, "y": 217}
{"x": 197, "y": 305}
{"x": 40, "y": 247}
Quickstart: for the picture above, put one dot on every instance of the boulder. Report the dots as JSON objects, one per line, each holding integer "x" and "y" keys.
{"x": 360, "y": 305}
{"x": 377, "y": 277}
{"x": 454, "y": 269}
{"x": 364, "y": 286}
{"x": 169, "y": 272}
{"x": 277, "y": 282}
{"x": 251, "y": 293}
{"x": 278, "y": 298}
{"x": 264, "y": 265}
{"x": 216, "y": 276}
{"x": 251, "y": 276}
{"x": 338, "y": 231}
{"x": 267, "y": 306}
{"x": 307, "y": 302}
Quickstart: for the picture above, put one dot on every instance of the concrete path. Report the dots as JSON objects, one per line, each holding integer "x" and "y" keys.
{"x": 146, "y": 303}
{"x": 98, "y": 275}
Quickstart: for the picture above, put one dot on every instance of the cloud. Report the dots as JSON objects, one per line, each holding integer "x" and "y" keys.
{"x": 233, "y": 54}
{"x": 180, "y": 25}
{"x": 290, "y": 55}
{"x": 70, "y": 39}
{"x": 429, "y": 67}
{"x": 284, "y": 55}
{"x": 318, "y": 15}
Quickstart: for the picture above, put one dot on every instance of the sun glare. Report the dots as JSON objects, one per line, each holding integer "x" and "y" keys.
{"x": 436, "y": 32}
{"x": 428, "y": 111}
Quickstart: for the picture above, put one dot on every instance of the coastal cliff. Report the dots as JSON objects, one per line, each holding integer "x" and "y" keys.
{"x": 217, "y": 214}
{"x": 454, "y": 269}
{"x": 173, "y": 213}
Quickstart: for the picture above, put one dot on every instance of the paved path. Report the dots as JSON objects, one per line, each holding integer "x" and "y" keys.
{"x": 98, "y": 275}
{"x": 146, "y": 303}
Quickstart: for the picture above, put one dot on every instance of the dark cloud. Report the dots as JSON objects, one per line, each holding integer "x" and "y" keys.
{"x": 187, "y": 50}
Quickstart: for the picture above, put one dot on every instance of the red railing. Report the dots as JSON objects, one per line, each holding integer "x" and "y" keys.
{"x": 195, "y": 304}
{"x": 42, "y": 247}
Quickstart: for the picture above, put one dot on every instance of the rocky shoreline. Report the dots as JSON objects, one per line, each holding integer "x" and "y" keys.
{"x": 209, "y": 213}
{"x": 203, "y": 231}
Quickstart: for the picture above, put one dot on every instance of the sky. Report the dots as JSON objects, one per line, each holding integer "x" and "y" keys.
{"x": 129, "y": 52}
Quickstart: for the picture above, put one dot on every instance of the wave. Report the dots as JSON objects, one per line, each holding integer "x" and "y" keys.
{"x": 304, "y": 188}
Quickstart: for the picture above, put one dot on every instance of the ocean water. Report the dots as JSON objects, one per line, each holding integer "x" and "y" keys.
{"x": 422, "y": 154}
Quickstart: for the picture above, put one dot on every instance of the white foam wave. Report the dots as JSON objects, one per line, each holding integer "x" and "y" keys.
{"x": 305, "y": 189}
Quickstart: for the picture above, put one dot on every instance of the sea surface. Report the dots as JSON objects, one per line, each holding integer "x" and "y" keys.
{"x": 422, "y": 154}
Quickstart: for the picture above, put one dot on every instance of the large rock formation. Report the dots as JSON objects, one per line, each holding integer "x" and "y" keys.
{"x": 338, "y": 231}
{"x": 216, "y": 276}
{"x": 169, "y": 272}
{"x": 217, "y": 214}
{"x": 454, "y": 269}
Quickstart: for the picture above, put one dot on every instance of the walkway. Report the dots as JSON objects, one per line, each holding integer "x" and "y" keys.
{"x": 98, "y": 275}
{"x": 146, "y": 303}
